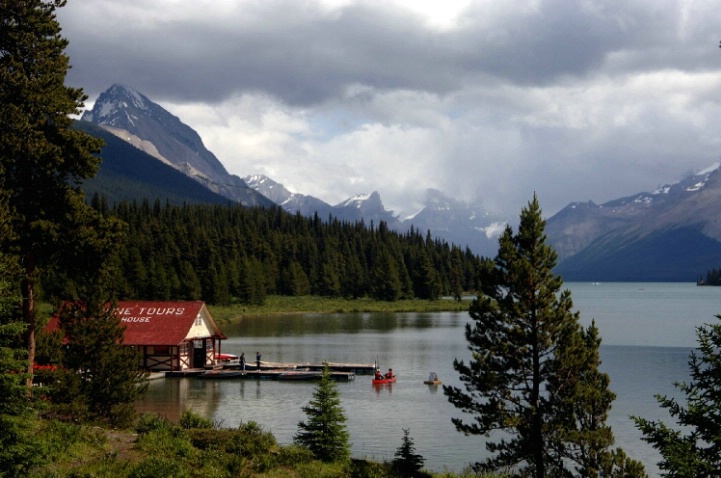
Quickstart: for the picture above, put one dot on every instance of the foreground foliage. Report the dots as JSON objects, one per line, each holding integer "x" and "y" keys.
{"x": 191, "y": 448}
{"x": 695, "y": 449}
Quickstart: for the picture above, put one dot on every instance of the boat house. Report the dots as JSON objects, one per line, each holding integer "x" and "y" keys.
{"x": 171, "y": 336}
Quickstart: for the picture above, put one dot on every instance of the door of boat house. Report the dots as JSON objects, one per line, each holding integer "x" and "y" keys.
{"x": 198, "y": 353}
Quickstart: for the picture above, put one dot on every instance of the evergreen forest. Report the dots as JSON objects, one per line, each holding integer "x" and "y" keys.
{"x": 224, "y": 254}
{"x": 713, "y": 277}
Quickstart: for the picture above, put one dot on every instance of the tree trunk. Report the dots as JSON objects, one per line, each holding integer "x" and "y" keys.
{"x": 536, "y": 425}
{"x": 28, "y": 295}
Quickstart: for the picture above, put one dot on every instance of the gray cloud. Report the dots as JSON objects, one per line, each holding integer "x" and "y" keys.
{"x": 575, "y": 100}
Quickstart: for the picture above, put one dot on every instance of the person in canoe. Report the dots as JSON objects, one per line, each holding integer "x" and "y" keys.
{"x": 378, "y": 375}
{"x": 389, "y": 373}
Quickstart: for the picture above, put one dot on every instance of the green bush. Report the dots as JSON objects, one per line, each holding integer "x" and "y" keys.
{"x": 170, "y": 442}
{"x": 190, "y": 419}
{"x": 227, "y": 441}
{"x": 254, "y": 440}
{"x": 369, "y": 469}
{"x": 159, "y": 466}
{"x": 318, "y": 469}
{"x": 294, "y": 455}
{"x": 147, "y": 422}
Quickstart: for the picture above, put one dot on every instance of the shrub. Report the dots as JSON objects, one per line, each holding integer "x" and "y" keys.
{"x": 147, "y": 422}
{"x": 254, "y": 440}
{"x": 228, "y": 441}
{"x": 190, "y": 419}
{"x": 159, "y": 466}
{"x": 294, "y": 455}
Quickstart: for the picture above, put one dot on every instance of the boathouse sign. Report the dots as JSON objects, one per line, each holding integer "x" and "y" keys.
{"x": 172, "y": 335}
{"x": 144, "y": 314}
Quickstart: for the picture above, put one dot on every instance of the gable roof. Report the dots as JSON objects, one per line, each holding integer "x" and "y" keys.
{"x": 162, "y": 323}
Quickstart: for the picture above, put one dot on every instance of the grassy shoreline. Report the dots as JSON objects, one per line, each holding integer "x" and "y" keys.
{"x": 284, "y": 305}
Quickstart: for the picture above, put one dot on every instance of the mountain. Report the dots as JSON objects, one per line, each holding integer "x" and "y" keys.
{"x": 671, "y": 234}
{"x": 451, "y": 220}
{"x": 127, "y": 173}
{"x": 458, "y": 222}
{"x": 137, "y": 121}
{"x": 132, "y": 117}
{"x": 291, "y": 202}
{"x": 366, "y": 207}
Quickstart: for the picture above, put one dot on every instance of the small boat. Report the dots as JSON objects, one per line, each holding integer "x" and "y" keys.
{"x": 226, "y": 358}
{"x": 384, "y": 380}
{"x": 220, "y": 374}
{"x": 300, "y": 375}
{"x": 433, "y": 379}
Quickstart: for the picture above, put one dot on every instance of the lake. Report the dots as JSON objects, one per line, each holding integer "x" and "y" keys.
{"x": 648, "y": 331}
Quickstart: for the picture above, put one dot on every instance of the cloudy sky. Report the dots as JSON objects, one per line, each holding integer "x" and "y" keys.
{"x": 487, "y": 101}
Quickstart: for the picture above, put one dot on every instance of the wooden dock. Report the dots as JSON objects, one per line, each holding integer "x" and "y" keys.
{"x": 355, "y": 368}
{"x": 270, "y": 374}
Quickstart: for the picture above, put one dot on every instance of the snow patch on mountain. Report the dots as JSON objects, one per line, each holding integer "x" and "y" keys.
{"x": 693, "y": 183}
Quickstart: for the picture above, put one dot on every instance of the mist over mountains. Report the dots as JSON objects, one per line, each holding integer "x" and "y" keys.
{"x": 672, "y": 234}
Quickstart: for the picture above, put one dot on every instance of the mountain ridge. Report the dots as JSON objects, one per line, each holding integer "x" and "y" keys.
{"x": 672, "y": 233}
{"x": 133, "y": 117}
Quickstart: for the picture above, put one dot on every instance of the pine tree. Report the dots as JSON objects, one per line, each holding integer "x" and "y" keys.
{"x": 694, "y": 448}
{"x": 105, "y": 377}
{"x": 407, "y": 462}
{"x": 533, "y": 372}
{"x": 385, "y": 280}
{"x": 43, "y": 160}
{"x": 18, "y": 452}
{"x": 325, "y": 432}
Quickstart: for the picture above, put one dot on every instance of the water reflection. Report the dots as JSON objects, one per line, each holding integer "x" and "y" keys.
{"x": 413, "y": 345}
{"x": 353, "y": 323}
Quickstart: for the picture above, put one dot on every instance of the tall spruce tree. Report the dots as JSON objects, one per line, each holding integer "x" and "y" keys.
{"x": 534, "y": 371}
{"x": 42, "y": 158}
{"x": 325, "y": 433}
{"x": 693, "y": 449}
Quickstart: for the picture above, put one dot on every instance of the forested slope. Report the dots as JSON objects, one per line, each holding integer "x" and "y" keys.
{"x": 221, "y": 254}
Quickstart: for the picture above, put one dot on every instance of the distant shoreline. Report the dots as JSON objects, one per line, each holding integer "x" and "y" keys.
{"x": 284, "y": 305}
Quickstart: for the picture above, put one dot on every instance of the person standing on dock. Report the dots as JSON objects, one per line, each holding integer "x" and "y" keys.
{"x": 257, "y": 360}
{"x": 242, "y": 361}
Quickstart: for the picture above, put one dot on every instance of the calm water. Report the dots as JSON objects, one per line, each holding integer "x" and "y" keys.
{"x": 647, "y": 330}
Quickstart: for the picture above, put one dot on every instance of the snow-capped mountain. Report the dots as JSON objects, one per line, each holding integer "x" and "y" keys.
{"x": 291, "y": 202}
{"x": 366, "y": 207}
{"x": 130, "y": 115}
{"x": 672, "y": 233}
{"x": 451, "y": 220}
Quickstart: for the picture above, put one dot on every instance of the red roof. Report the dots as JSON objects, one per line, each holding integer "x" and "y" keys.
{"x": 160, "y": 323}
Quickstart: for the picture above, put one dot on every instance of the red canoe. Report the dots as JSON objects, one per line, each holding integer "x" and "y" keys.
{"x": 384, "y": 380}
